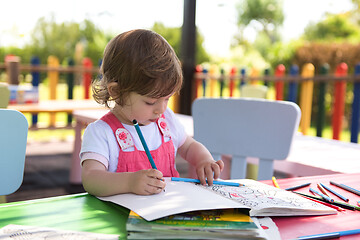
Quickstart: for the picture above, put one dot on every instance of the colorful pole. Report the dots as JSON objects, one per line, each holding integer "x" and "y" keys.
{"x": 243, "y": 75}
{"x": 293, "y": 86}
{"x": 205, "y": 72}
{"x": 306, "y": 96}
{"x": 212, "y": 81}
{"x": 339, "y": 100}
{"x": 35, "y": 61}
{"x": 87, "y": 64}
{"x": 355, "y": 116}
{"x": 53, "y": 76}
{"x": 70, "y": 78}
{"x": 222, "y": 81}
{"x": 232, "y": 81}
{"x": 198, "y": 70}
{"x": 266, "y": 73}
{"x": 321, "y": 102}
{"x": 279, "y": 85}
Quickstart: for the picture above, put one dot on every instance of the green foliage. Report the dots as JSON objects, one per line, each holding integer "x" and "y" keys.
{"x": 61, "y": 40}
{"x": 268, "y": 13}
{"x": 173, "y": 36}
{"x": 283, "y": 53}
{"x": 333, "y": 28}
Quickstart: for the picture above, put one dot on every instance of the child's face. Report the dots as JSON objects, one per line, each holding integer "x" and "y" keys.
{"x": 144, "y": 109}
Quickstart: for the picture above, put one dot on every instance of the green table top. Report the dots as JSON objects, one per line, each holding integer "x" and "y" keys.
{"x": 78, "y": 212}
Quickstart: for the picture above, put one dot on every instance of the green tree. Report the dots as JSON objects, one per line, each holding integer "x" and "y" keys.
{"x": 266, "y": 13}
{"x": 337, "y": 27}
{"x": 173, "y": 36}
{"x": 60, "y": 40}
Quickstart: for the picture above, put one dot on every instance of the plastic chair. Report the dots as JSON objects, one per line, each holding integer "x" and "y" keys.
{"x": 244, "y": 127}
{"x": 13, "y": 138}
{"x": 253, "y": 91}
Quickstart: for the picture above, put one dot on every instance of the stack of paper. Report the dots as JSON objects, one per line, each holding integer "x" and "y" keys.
{"x": 207, "y": 224}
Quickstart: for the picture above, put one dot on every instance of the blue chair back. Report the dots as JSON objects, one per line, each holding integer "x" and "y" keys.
{"x": 13, "y": 138}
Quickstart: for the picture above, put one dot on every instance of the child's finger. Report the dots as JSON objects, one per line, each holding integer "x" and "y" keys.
{"x": 209, "y": 175}
{"x": 201, "y": 175}
{"x": 154, "y": 173}
{"x": 221, "y": 164}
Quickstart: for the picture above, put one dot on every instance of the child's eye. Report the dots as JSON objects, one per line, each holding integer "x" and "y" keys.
{"x": 149, "y": 103}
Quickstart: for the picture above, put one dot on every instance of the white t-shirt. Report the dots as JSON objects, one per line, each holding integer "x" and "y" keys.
{"x": 99, "y": 142}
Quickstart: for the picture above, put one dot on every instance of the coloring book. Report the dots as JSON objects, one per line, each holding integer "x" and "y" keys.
{"x": 259, "y": 198}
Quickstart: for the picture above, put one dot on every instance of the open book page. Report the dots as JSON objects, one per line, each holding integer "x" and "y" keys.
{"x": 178, "y": 197}
{"x": 265, "y": 200}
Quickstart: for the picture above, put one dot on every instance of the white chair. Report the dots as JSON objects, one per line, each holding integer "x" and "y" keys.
{"x": 13, "y": 138}
{"x": 246, "y": 127}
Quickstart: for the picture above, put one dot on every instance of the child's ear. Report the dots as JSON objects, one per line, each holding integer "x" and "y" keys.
{"x": 112, "y": 89}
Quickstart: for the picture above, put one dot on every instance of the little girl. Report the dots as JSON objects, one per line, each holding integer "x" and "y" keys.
{"x": 139, "y": 74}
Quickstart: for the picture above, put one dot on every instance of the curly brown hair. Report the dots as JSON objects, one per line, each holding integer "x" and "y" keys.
{"x": 139, "y": 61}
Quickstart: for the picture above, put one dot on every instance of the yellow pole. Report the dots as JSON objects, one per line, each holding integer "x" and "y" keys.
{"x": 212, "y": 81}
{"x": 306, "y": 96}
{"x": 254, "y": 73}
{"x": 53, "y": 77}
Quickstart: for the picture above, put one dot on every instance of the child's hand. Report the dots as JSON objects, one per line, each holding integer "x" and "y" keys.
{"x": 209, "y": 170}
{"x": 147, "y": 182}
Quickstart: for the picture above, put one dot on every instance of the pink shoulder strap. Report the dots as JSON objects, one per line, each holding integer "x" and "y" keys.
{"x": 122, "y": 135}
{"x": 163, "y": 126}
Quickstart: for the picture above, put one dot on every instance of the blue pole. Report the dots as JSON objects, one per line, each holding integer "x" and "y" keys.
{"x": 242, "y": 73}
{"x": 293, "y": 86}
{"x": 35, "y": 61}
{"x": 355, "y": 116}
{"x": 205, "y": 71}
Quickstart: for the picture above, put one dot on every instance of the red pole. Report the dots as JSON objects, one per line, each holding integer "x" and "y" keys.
{"x": 232, "y": 81}
{"x": 279, "y": 85}
{"x": 87, "y": 64}
{"x": 339, "y": 100}
{"x": 198, "y": 80}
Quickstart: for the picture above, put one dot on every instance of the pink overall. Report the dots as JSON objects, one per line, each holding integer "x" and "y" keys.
{"x": 132, "y": 161}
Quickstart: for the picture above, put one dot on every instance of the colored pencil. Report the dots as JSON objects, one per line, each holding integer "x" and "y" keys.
{"x": 335, "y": 193}
{"x": 343, "y": 186}
{"x": 322, "y": 189}
{"x": 297, "y": 187}
{"x": 330, "y": 235}
{"x": 339, "y": 204}
{"x": 275, "y": 182}
{"x": 179, "y": 179}
{"x": 322, "y": 202}
{"x": 321, "y": 195}
{"x": 142, "y": 139}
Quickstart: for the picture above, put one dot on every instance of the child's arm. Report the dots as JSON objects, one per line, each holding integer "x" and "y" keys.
{"x": 99, "y": 182}
{"x": 198, "y": 155}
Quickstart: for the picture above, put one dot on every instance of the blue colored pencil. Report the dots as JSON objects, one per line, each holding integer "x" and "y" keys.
{"x": 179, "y": 179}
{"x": 297, "y": 187}
{"x": 347, "y": 188}
{"x": 335, "y": 193}
{"x": 321, "y": 195}
{"x": 330, "y": 235}
{"x": 142, "y": 139}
